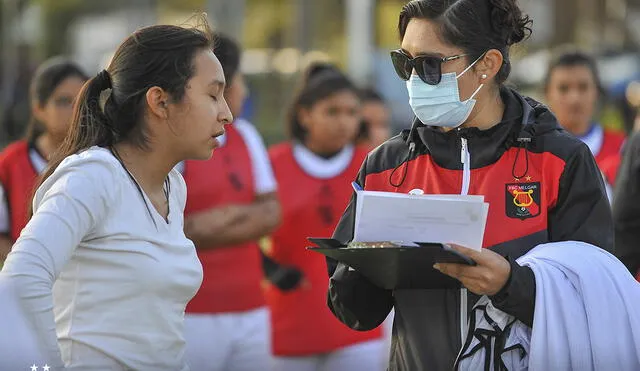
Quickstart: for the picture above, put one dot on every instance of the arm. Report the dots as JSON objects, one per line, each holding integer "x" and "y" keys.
{"x": 626, "y": 207}
{"x": 5, "y": 225}
{"x": 233, "y": 224}
{"x": 5, "y": 247}
{"x": 582, "y": 213}
{"x": 67, "y": 207}
{"x": 352, "y": 298}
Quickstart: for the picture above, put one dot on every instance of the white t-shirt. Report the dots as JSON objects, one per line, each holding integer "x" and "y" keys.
{"x": 264, "y": 180}
{"x": 117, "y": 276}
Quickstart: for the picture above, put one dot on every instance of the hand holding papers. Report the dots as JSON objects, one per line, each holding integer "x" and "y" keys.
{"x": 398, "y": 237}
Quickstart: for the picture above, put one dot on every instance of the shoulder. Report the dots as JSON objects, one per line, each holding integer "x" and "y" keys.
{"x": 561, "y": 144}
{"x": 95, "y": 161}
{"x": 92, "y": 172}
{"x": 389, "y": 154}
{"x": 616, "y": 138}
{"x": 279, "y": 150}
{"x": 178, "y": 186}
{"x": 14, "y": 149}
{"x": 248, "y": 131}
{"x": 360, "y": 153}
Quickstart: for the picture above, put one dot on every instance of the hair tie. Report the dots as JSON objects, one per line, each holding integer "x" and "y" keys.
{"x": 105, "y": 79}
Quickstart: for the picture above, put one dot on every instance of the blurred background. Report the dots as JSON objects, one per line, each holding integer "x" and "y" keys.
{"x": 281, "y": 36}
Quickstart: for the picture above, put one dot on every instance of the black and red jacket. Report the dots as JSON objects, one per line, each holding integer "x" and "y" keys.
{"x": 542, "y": 185}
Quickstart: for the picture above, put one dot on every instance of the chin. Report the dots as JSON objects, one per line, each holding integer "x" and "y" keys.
{"x": 205, "y": 154}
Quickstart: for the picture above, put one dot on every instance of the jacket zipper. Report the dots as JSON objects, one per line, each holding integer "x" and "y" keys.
{"x": 465, "y": 158}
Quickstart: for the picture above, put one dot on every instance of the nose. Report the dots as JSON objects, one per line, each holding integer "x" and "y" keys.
{"x": 225, "y": 116}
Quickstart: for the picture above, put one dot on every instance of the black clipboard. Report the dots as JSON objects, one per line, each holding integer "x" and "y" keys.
{"x": 392, "y": 268}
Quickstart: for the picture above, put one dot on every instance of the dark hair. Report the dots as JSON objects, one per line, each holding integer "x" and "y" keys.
{"x": 159, "y": 56}
{"x": 46, "y": 79}
{"x": 319, "y": 81}
{"x": 567, "y": 57}
{"x": 475, "y": 26}
{"x": 228, "y": 52}
{"x": 368, "y": 95}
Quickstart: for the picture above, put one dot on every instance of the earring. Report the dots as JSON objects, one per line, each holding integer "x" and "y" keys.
{"x": 484, "y": 76}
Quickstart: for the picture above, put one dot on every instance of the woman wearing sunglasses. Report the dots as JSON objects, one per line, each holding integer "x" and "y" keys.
{"x": 472, "y": 135}
{"x": 54, "y": 87}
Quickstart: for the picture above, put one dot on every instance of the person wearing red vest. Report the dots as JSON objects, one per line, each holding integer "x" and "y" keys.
{"x": 231, "y": 204}
{"x": 54, "y": 87}
{"x": 314, "y": 172}
{"x": 572, "y": 86}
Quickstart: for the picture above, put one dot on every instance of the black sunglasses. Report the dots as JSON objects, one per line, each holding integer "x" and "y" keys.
{"x": 428, "y": 67}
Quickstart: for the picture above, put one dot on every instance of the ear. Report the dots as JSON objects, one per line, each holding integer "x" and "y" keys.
{"x": 158, "y": 102}
{"x": 489, "y": 65}
{"x": 304, "y": 116}
{"x": 38, "y": 111}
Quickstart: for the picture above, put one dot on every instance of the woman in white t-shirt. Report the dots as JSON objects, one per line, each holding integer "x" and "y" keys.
{"x": 103, "y": 271}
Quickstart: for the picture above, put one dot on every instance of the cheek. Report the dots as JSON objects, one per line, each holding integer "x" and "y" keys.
{"x": 352, "y": 124}
{"x": 466, "y": 86}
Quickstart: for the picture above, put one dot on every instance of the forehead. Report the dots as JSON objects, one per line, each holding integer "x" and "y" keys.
{"x": 423, "y": 37}
{"x": 207, "y": 67}
{"x": 577, "y": 73}
{"x": 342, "y": 97}
{"x": 70, "y": 84}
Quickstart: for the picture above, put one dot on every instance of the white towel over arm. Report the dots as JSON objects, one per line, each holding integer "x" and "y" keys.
{"x": 587, "y": 316}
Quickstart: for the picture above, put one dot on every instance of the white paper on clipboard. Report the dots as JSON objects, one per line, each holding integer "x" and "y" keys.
{"x": 388, "y": 216}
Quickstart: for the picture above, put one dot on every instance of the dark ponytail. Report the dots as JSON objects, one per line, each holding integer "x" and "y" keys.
{"x": 319, "y": 81}
{"x": 46, "y": 79}
{"x": 475, "y": 26}
{"x": 110, "y": 107}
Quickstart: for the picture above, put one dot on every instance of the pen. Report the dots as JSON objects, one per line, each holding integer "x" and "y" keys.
{"x": 356, "y": 186}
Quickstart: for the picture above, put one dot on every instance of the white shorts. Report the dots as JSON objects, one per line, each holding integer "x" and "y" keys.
{"x": 366, "y": 356}
{"x": 238, "y": 341}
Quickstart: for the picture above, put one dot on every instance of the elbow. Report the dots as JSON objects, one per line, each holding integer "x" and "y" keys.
{"x": 356, "y": 302}
{"x": 367, "y": 322}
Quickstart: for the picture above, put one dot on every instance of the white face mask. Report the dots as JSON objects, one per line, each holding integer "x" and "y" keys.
{"x": 440, "y": 105}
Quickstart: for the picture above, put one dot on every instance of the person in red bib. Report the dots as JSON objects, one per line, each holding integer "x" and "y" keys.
{"x": 231, "y": 204}
{"x": 374, "y": 126}
{"x": 314, "y": 172}
{"x": 54, "y": 87}
{"x": 572, "y": 86}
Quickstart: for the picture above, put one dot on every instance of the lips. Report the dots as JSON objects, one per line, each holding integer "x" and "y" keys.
{"x": 214, "y": 138}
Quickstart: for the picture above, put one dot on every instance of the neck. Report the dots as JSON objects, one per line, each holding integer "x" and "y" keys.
{"x": 579, "y": 130}
{"x": 150, "y": 168}
{"x": 47, "y": 145}
{"x": 319, "y": 151}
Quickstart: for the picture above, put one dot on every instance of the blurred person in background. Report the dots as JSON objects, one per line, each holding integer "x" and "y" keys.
{"x": 572, "y": 88}
{"x": 374, "y": 127}
{"x": 231, "y": 204}
{"x": 53, "y": 90}
{"x": 626, "y": 200}
{"x": 472, "y": 136}
{"x": 103, "y": 270}
{"x": 314, "y": 170}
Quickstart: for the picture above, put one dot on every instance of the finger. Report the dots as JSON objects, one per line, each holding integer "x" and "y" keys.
{"x": 461, "y": 271}
{"x": 450, "y": 269}
{"x": 476, "y": 255}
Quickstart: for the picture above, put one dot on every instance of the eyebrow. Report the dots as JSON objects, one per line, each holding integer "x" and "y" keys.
{"x": 429, "y": 54}
{"x": 217, "y": 83}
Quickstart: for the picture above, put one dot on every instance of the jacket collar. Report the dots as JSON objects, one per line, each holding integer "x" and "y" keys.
{"x": 524, "y": 119}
